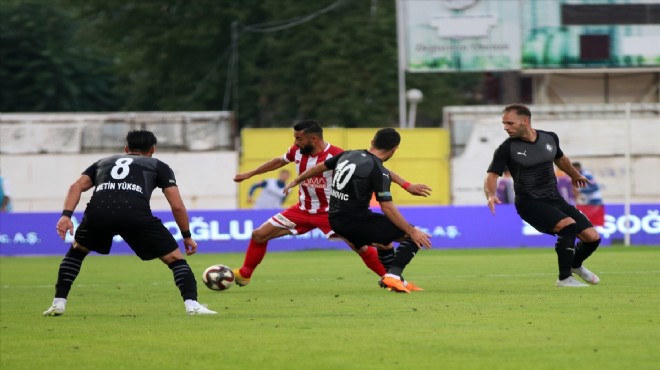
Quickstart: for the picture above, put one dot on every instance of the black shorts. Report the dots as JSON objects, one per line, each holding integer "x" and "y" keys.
{"x": 366, "y": 228}
{"x": 145, "y": 234}
{"x": 543, "y": 214}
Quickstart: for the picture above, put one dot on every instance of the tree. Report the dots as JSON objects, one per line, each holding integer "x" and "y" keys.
{"x": 272, "y": 61}
{"x": 42, "y": 69}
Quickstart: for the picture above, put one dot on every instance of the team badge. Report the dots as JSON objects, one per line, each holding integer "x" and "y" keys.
{"x": 548, "y": 147}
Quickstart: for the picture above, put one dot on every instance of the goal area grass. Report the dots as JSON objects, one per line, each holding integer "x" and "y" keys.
{"x": 323, "y": 309}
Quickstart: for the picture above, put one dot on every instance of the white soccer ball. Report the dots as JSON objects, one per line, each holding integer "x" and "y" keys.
{"x": 218, "y": 277}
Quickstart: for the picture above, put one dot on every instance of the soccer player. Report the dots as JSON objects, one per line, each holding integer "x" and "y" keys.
{"x": 271, "y": 196}
{"x": 311, "y": 211}
{"x": 357, "y": 175}
{"x": 529, "y": 155}
{"x": 120, "y": 206}
{"x": 589, "y": 194}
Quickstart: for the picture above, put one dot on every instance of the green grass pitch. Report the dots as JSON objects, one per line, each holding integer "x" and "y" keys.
{"x": 482, "y": 309}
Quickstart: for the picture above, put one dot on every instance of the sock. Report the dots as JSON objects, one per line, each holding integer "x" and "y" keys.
{"x": 386, "y": 257}
{"x": 565, "y": 248}
{"x": 370, "y": 258}
{"x": 583, "y": 251}
{"x": 184, "y": 279}
{"x": 68, "y": 272}
{"x": 253, "y": 256}
{"x": 404, "y": 254}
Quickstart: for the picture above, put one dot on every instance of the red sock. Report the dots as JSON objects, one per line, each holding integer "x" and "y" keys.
{"x": 253, "y": 256}
{"x": 370, "y": 258}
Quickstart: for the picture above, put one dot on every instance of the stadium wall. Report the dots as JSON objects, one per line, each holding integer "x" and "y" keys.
{"x": 40, "y": 182}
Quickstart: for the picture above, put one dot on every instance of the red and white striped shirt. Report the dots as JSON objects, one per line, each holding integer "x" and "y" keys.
{"x": 313, "y": 193}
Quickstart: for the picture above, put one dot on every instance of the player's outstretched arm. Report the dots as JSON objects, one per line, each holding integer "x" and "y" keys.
{"x": 181, "y": 217}
{"x": 310, "y": 172}
{"x": 271, "y": 165}
{"x": 490, "y": 188}
{"x": 564, "y": 164}
{"x": 418, "y": 236}
{"x": 64, "y": 224}
{"x": 414, "y": 189}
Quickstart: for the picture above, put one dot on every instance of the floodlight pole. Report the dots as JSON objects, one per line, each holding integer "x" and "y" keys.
{"x": 628, "y": 180}
{"x": 401, "y": 46}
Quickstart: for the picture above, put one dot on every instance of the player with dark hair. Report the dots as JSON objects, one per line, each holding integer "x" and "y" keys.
{"x": 358, "y": 174}
{"x": 120, "y": 206}
{"x": 529, "y": 155}
{"x": 311, "y": 211}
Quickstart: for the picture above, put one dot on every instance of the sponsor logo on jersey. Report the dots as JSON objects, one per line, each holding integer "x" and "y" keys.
{"x": 522, "y": 153}
{"x": 548, "y": 147}
{"x": 284, "y": 221}
{"x": 315, "y": 183}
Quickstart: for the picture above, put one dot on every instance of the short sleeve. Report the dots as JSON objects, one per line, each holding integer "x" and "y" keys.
{"x": 91, "y": 172}
{"x": 164, "y": 176}
{"x": 500, "y": 158}
{"x": 381, "y": 182}
{"x": 290, "y": 154}
{"x": 331, "y": 162}
{"x": 559, "y": 153}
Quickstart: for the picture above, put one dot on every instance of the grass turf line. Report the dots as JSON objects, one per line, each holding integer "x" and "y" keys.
{"x": 484, "y": 308}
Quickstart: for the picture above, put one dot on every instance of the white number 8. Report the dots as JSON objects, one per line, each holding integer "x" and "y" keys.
{"x": 121, "y": 169}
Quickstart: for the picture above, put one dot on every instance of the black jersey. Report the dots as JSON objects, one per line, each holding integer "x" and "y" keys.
{"x": 125, "y": 182}
{"x": 358, "y": 175}
{"x": 530, "y": 164}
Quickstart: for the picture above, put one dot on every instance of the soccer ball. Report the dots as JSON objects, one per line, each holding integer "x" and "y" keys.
{"x": 218, "y": 277}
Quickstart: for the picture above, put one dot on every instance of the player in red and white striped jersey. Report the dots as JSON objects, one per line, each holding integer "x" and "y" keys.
{"x": 311, "y": 211}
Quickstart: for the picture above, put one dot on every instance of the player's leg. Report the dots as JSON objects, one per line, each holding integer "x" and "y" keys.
{"x": 256, "y": 250}
{"x": 150, "y": 239}
{"x": 547, "y": 217}
{"x": 184, "y": 279}
{"x": 66, "y": 275}
{"x": 368, "y": 254}
{"x": 90, "y": 236}
{"x": 587, "y": 244}
{"x": 589, "y": 240}
{"x": 376, "y": 228}
{"x": 566, "y": 230}
{"x": 405, "y": 252}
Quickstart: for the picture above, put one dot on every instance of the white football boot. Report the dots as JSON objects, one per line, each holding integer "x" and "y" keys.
{"x": 57, "y": 308}
{"x": 196, "y": 308}
{"x": 586, "y": 275}
{"x": 570, "y": 282}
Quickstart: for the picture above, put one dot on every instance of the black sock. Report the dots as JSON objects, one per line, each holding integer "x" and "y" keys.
{"x": 404, "y": 254}
{"x": 184, "y": 279}
{"x": 386, "y": 257}
{"x": 68, "y": 272}
{"x": 583, "y": 251}
{"x": 565, "y": 248}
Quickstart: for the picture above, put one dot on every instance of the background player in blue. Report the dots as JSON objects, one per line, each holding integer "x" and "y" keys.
{"x": 358, "y": 174}
{"x": 529, "y": 155}
{"x": 120, "y": 206}
{"x": 271, "y": 196}
{"x": 589, "y": 194}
